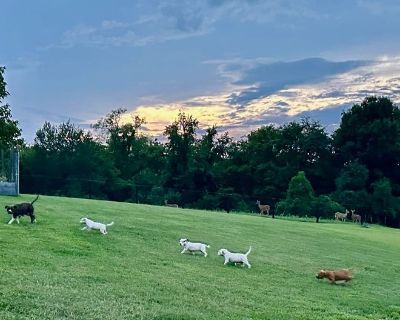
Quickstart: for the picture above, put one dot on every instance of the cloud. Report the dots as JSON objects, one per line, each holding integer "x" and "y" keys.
{"x": 324, "y": 96}
{"x": 112, "y": 24}
{"x": 379, "y": 7}
{"x": 187, "y": 16}
{"x": 23, "y": 64}
{"x": 264, "y": 79}
{"x": 180, "y": 19}
{"x": 117, "y": 34}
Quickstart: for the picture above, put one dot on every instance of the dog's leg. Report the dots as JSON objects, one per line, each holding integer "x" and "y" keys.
{"x": 183, "y": 251}
{"x": 33, "y": 218}
{"x": 11, "y": 221}
{"x": 17, "y": 220}
{"x": 84, "y": 228}
{"x": 226, "y": 261}
{"x": 246, "y": 262}
{"x": 205, "y": 253}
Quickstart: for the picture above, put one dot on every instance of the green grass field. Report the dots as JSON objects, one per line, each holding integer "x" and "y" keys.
{"x": 53, "y": 270}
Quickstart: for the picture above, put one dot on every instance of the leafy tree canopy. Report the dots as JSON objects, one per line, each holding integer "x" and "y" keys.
{"x": 10, "y": 133}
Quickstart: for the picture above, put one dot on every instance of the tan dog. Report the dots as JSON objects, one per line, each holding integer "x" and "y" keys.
{"x": 337, "y": 275}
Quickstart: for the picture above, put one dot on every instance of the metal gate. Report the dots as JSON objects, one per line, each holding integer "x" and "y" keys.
{"x": 9, "y": 172}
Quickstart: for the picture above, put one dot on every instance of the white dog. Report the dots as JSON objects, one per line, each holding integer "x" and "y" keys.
{"x": 193, "y": 246}
{"x": 90, "y": 224}
{"x": 235, "y": 257}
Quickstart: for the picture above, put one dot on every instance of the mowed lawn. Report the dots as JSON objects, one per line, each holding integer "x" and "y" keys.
{"x": 53, "y": 270}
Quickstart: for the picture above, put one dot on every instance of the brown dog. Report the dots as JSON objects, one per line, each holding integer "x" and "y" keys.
{"x": 337, "y": 275}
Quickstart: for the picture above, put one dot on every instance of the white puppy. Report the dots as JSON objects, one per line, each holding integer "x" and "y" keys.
{"x": 235, "y": 257}
{"x": 90, "y": 224}
{"x": 193, "y": 246}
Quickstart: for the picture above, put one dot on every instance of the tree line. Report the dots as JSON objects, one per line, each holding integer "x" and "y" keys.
{"x": 297, "y": 168}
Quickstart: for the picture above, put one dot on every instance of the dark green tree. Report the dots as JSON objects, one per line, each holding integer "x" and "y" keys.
{"x": 273, "y": 155}
{"x": 324, "y": 207}
{"x": 181, "y": 136}
{"x": 384, "y": 204}
{"x": 64, "y": 138}
{"x": 352, "y": 188}
{"x": 353, "y": 176}
{"x": 124, "y": 142}
{"x": 65, "y": 160}
{"x": 3, "y": 84}
{"x": 205, "y": 155}
{"x": 370, "y": 133}
{"x": 10, "y": 133}
{"x": 306, "y": 146}
{"x": 299, "y": 197}
{"x": 267, "y": 177}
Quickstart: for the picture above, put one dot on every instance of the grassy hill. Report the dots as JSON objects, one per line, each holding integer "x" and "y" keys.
{"x": 53, "y": 270}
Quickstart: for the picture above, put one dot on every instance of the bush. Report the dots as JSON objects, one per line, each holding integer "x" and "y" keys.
{"x": 299, "y": 199}
{"x": 208, "y": 202}
{"x": 323, "y": 207}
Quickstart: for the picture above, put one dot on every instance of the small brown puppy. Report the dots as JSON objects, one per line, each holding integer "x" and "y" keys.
{"x": 336, "y": 275}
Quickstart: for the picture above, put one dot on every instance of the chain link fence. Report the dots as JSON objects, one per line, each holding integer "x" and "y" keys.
{"x": 9, "y": 172}
{"x": 135, "y": 192}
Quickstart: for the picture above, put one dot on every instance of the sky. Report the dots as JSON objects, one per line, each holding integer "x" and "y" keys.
{"x": 236, "y": 64}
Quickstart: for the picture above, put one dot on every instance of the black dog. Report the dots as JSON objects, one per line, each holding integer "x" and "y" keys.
{"x": 22, "y": 209}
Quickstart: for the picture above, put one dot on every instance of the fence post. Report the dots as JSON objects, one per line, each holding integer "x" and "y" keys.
{"x": 16, "y": 161}
{"x": 2, "y": 171}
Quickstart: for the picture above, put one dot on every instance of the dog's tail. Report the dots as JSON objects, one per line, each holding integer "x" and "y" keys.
{"x": 37, "y": 197}
{"x": 110, "y": 224}
{"x": 207, "y": 246}
{"x": 247, "y": 253}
